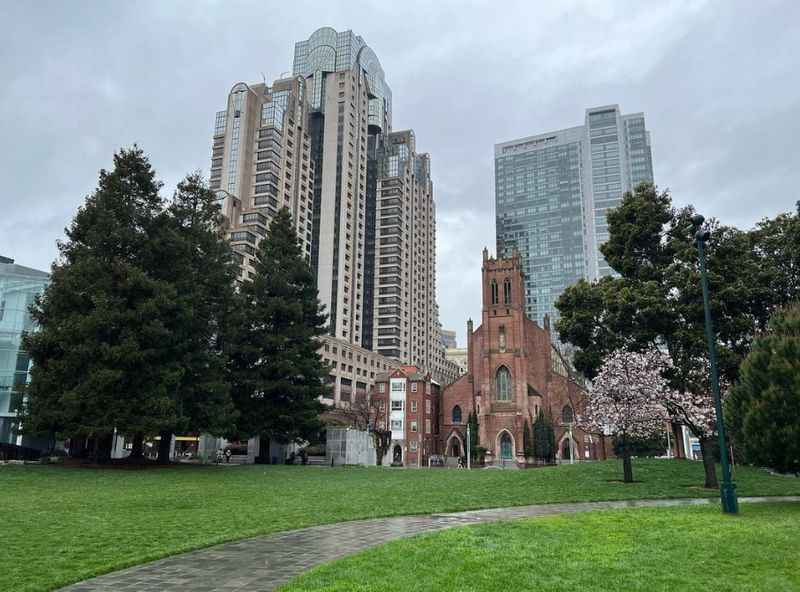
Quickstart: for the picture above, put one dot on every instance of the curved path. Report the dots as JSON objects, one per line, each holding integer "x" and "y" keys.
{"x": 264, "y": 563}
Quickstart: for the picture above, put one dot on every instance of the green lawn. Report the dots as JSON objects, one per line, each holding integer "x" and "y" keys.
{"x": 654, "y": 549}
{"x": 63, "y": 525}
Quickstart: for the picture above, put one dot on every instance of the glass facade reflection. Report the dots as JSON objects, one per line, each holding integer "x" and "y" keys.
{"x": 552, "y": 195}
{"x": 19, "y": 286}
{"x": 330, "y": 51}
{"x": 540, "y": 214}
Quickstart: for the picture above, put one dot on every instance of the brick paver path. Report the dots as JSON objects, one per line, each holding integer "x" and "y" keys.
{"x": 264, "y": 563}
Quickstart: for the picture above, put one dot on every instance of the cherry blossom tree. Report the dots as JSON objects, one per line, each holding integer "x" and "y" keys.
{"x": 693, "y": 406}
{"x": 625, "y": 400}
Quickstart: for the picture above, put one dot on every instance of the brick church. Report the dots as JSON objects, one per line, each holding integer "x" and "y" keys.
{"x": 513, "y": 371}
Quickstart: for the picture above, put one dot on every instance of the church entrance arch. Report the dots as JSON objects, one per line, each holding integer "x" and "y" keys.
{"x": 397, "y": 455}
{"x": 506, "y": 446}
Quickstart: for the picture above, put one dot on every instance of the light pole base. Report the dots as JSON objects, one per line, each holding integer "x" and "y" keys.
{"x": 727, "y": 492}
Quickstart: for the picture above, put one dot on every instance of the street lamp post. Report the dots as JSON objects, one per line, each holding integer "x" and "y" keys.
{"x": 727, "y": 492}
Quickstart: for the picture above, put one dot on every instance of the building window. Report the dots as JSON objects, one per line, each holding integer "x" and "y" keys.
{"x": 413, "y": 406}
{"x": 413, "y": 445}
{"x": 494, "y": 292}
{"x": 413, "y": 426}
{"x": 382, "y": 388}
{"x": 397, "y": 425}
{"x": 413, "y": 387}
{"x": 567, "y": 416}
{"x": 397, "y": 405}
{"x": 503, "y": 382}
{"x": 507, "y": 291}
{"x": 456, "y": 414}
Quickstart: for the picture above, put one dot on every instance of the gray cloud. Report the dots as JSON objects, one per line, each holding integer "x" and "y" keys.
{"x": 717, "y": 81}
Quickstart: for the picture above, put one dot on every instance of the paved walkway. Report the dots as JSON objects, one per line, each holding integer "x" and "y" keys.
{"x": 264, "y": 563}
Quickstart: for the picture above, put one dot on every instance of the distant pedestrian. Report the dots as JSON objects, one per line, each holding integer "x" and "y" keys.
{"x": 228, "y": 455}
{"x": 219, "y": 456}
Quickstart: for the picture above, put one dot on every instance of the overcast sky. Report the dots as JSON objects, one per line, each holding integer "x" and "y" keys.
{"x": 718, "y": 82}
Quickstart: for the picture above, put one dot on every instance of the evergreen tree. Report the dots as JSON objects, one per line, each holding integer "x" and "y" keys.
{"x": 763, "y": 410}
{"x": 194, "y": 256}
{"x": 544, "y": 438}
{"x": 101, "y": 355}
{"x": 278, "y": 376}
{"x": 527, "y": 440}
{"x": 474, "y": 443}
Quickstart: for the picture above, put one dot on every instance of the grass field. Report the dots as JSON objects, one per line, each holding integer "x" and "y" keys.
{"x": 648, "y": 550}
{"x": 63, "y": 525}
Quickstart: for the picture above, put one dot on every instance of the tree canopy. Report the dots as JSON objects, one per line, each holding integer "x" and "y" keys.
{"x": 278, "y": 375}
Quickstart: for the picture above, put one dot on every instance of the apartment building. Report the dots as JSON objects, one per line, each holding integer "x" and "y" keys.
{"x": 261, "y": 162}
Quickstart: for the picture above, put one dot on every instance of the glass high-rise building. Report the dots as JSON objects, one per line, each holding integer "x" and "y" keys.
{"x": 19, "y": 286}
{"x": 552, "y": 193}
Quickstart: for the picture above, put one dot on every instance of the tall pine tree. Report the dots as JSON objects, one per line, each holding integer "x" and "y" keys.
{"x": 101, "y": 357}
{"x": 195, "y": 257}
{"x": 278, "y": 376}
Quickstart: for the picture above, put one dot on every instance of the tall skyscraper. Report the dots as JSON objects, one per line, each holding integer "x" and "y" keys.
{"x": 320, "y": 143}
{"x": 404, "y": 313}
{"x": 350, "y": 105}
{"x": 552, "y": 192}
{"x": 261, "y": 162}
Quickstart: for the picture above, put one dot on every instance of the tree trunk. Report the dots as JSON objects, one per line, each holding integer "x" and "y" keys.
{"x": 164, "y": 446}
{"x": 627, "y": 467}
{"x": 678, "y": 436}
{"x": 137, "y": 451}
{"x": 102, "y": 448}
{"x": 708, "y": 464}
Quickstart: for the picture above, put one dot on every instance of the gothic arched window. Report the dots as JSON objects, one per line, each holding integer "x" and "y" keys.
{"x": 507, "y": 291}
{"x": 456, "y": 414}
{"x": 567, "y": 416}
{"x": 503, "y": 380}
{"x": 494, "y": 292}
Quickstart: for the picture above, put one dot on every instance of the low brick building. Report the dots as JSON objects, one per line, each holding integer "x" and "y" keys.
{"x": 407, "y": 402}
{"x": 513, "y": 371}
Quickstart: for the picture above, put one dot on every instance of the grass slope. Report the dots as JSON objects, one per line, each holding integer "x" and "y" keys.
{"x": 64, "y": 525}
{"x": 648, "y": 550}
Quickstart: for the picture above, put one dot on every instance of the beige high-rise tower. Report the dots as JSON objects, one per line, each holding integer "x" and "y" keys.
{"x": 261, "y": 162}
{"x": 350, "y": 105}
{"x": 320, "y": 143}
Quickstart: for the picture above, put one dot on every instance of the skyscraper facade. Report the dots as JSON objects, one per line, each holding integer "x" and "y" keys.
{"x": 552, "y": 193}
{"x": 261, "y": 162}
{"x": 350, "y": 105}
{"x": 320, "y": 143}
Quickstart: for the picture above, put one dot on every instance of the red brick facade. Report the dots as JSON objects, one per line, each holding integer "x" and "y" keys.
{"x": 411, "y": 398}
{"x": 513, "y": 371}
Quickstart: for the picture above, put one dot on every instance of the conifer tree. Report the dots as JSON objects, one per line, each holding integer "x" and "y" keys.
{"x": 474, "y": 444}
{"x": 763, "y": 410}
{"x": 278, "y": 376}
{"x": 544, "y": 437}
{"x": 527, "y": 440}
{"x": 194, "y": 256}
{"x": 101, "y": 357}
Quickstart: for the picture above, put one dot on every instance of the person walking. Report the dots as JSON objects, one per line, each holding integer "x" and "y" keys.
{"x": 228, "y": 454}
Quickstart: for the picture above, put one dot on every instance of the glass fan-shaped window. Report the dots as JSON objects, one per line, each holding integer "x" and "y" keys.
{"x": 503, "y": 379}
